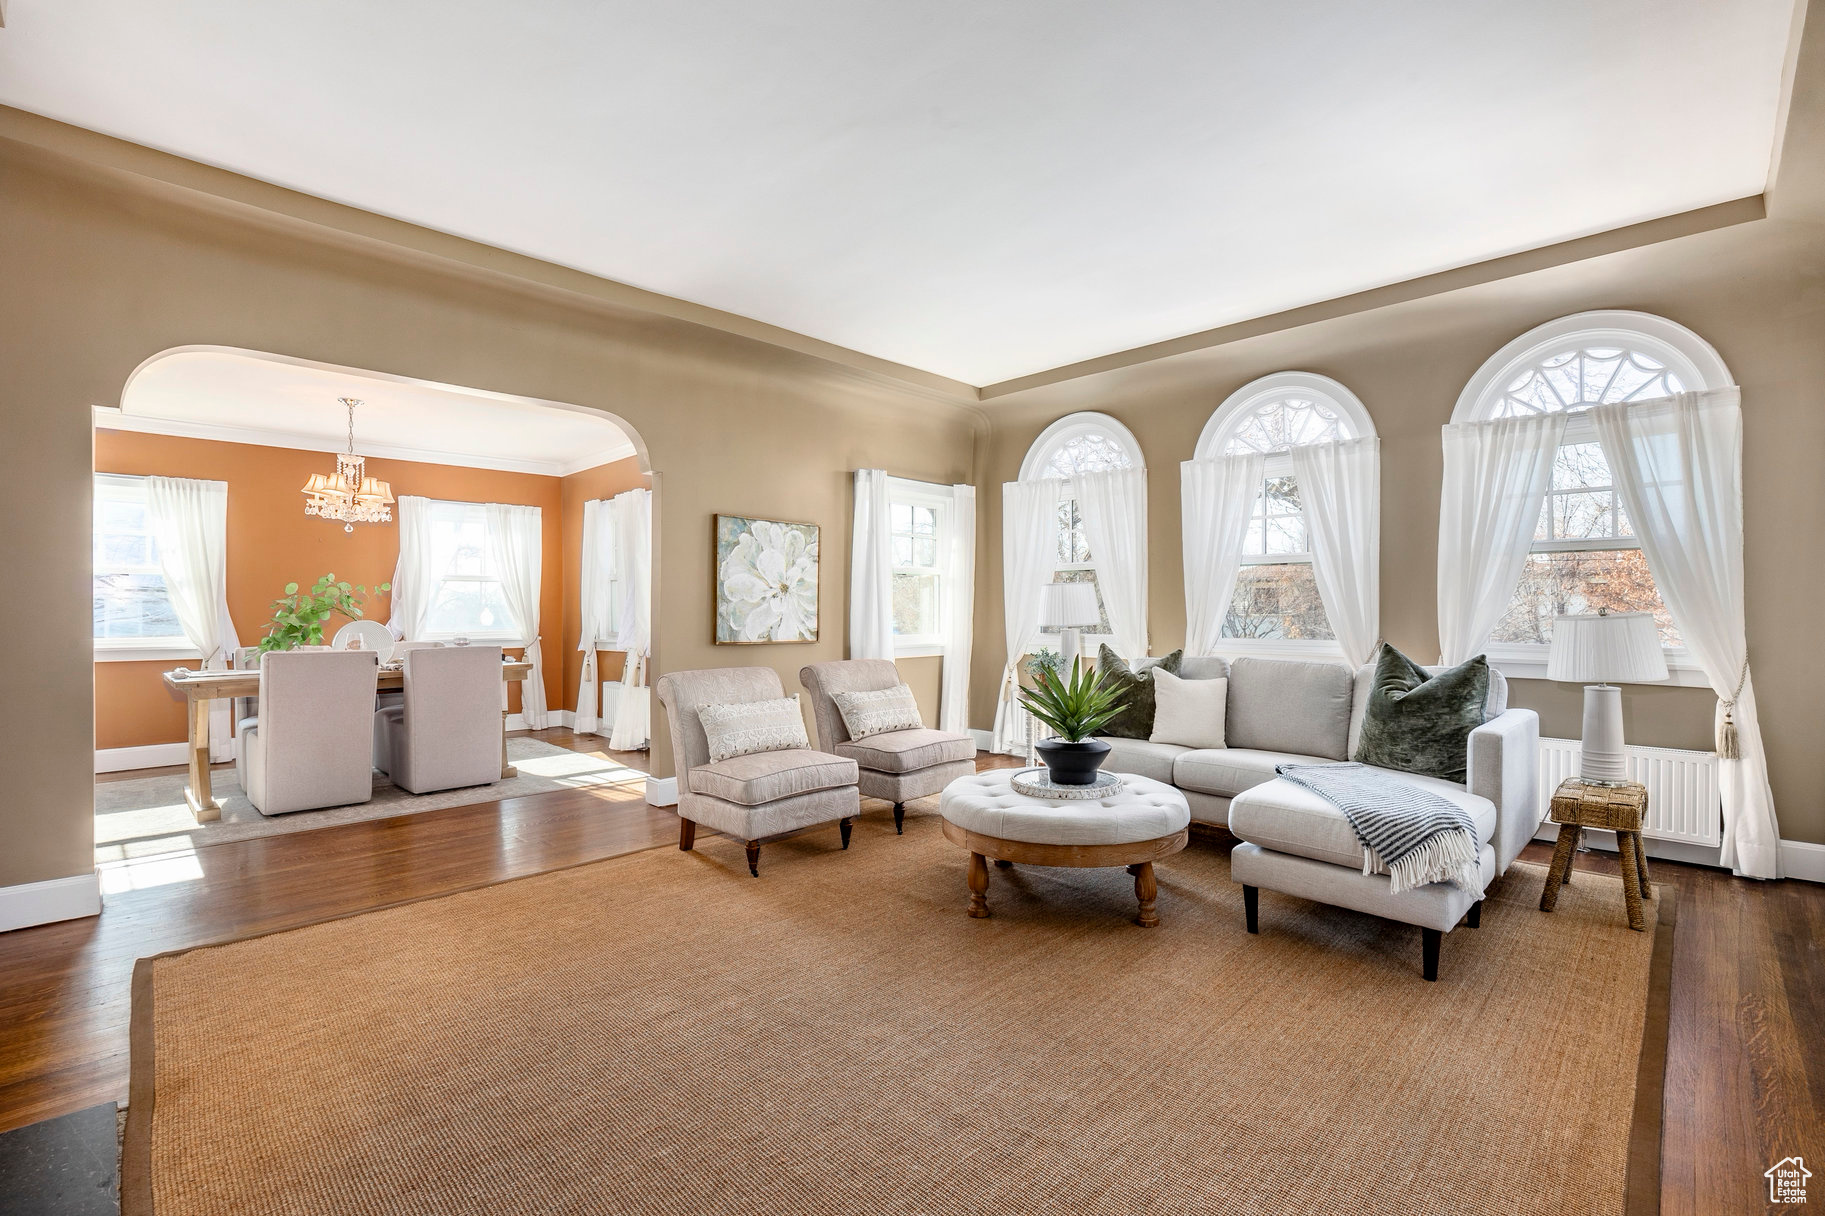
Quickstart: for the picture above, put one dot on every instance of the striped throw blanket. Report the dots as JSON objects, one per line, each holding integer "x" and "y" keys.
{"x": 1412, "y": 833}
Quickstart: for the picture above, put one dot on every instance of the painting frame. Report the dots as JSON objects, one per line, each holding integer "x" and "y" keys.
{"x": 722, "y": 632}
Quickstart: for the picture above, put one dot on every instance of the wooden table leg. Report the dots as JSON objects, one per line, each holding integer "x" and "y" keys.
{"x": 979, "y": 886}
{"x": 1559, "y": 874}
{"x": 1626, "y": 844}
{"x": 1146, "y": 889}
{"x": 198, "y": 794}
{"x": 507, "y": 770}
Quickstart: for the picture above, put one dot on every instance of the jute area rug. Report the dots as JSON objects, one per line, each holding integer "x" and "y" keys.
{"x": 146, "y": 816}
{"x": 661, "y": 1033}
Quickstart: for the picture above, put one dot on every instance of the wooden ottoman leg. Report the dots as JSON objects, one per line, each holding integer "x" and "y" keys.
{"x": 844, "y": 825}
{"x": 1475, "y": 919}
{"x": 754, "y": 858}
{"x": 979, "y": 886}
{"x": 1562, "y": 861}
{"x": 1429, "y": 940}
{"x": 899, "y": 818}
{"x": 1251, "y": 905}
{"x": 1147, "y": 890}
{"x": 1626, "y": 844}
{"x": 1002, "y": 863}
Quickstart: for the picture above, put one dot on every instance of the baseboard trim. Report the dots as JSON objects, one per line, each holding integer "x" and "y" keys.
{"x": 985, "y": 739}
{"x": 54, "y": 899}
{"x": 1800, "y": 859}
{"x": 662, "y": 791}
{"x": 566, "y": 718}
{"x": 151, "y": 755}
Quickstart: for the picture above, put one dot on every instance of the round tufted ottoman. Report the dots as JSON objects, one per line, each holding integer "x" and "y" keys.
{"x": 1145, "y": 821}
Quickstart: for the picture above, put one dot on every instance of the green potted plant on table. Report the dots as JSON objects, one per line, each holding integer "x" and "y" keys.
{"x": 1074, "y": 707}
{"x": 298, "y": 616}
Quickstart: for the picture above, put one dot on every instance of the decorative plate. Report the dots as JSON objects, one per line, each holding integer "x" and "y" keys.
{"x": 1037, "y": 783}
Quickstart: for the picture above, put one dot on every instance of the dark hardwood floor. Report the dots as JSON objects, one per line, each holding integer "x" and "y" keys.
{"x": 1746, "y": 1055}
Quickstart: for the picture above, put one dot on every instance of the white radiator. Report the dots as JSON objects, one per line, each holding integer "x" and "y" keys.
{"x": 1682, "y": 788}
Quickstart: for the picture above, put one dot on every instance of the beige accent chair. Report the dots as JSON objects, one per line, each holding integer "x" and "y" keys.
{"x": 395, "y": 696}
{"x": 446, "y": 732}
{"x": 310, "y": 747}
{"x": 895, "y": 766}
{"x": 755, "y": 796}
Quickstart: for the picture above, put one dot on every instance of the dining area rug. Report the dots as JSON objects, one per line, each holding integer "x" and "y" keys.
{"x": 662, "y": 1033}
{"x": 147, "y": 816}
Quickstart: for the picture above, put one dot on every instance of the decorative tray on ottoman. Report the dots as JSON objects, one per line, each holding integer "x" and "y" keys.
{"x": 1037, "y": 783}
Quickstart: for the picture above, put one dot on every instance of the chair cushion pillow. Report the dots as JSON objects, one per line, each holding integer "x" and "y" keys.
{"x": 1136, "y": 686}
{"x": 1188, "y": 712}
{"x": 908, "y": 751}
{"x": 747, "y": 727}
{"x": 762, "y": 777}
{"x": 1283, "y": 705}
{"x": 1416, "y": 722}
{"x": 878, "y": 710}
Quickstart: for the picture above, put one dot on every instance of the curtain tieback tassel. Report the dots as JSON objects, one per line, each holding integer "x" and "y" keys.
{"x": 1729, "y": 743}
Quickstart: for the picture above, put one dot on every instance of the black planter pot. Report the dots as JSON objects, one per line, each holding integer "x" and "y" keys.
{"x": 1073, "y": 763}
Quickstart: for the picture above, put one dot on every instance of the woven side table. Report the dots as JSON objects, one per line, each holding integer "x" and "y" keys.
{"x": 1615, "y": 808}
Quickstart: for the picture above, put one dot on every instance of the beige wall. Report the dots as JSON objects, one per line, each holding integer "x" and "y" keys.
{"x": 102, "y": 271}
{"x": 1756, "y": 291}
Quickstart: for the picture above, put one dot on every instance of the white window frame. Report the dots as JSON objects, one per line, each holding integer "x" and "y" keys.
{"x": 1214, "y": 440}
{"x": 1037, "y": 467}
{"x": 1697, "y": 365}
{"x": 938, "y": 500}
{"x": 124, "y": 487}
{"x": 510, "y": 636}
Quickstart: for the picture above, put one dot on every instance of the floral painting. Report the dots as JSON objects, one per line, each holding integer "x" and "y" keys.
{"x": 766, "y": 581}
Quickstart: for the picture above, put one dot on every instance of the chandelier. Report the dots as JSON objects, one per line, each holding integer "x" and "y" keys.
{"x": 349, "y": 494}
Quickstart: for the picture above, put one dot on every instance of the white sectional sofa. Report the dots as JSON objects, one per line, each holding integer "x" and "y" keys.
{"x": 1283, "y": 711}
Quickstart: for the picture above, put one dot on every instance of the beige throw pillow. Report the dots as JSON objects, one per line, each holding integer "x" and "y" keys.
{"x": 1188, "y": 712}
{"x": 753, "y": 726}
{"x": 878, "y": 711}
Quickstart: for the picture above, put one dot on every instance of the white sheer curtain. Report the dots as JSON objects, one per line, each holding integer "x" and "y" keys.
{"x": 1115, "y": 528}
{"x": 1677, "y": 462}
{"x": 597, "y": 632}
{"x": 1496, "y": 477}
{"x": 190, "y": 520}
{"x": 516, "y": 543}
{"x": 1216, "y": 499}
{"x": 1029, "y": 552}
{"x": 414, "y": 581}
{"x": 871, "y": 570}
{"x": 1340, "y": 491}
{"x": 959, "y": 611}
{"x": 634, "y": 632}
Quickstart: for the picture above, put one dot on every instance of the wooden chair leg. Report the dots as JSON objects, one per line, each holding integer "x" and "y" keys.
{"x": 1626, "y": 844}
{"x": 1560, "y": 871}
{"x": 754, "y": 858}
{"x": 1429, "y": 940}
{"x": 1475, "y": 919}
{"x": 1251, "y": 904}
{"x": 1641, "y": 864}
{"x": 844, "y": 825}
{"x": 687, "y": 834}
{"x": 899, "y": 818}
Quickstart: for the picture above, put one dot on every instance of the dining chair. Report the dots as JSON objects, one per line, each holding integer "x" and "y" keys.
{"x": 308, "y": 747}
{"x": 446, "y": 731}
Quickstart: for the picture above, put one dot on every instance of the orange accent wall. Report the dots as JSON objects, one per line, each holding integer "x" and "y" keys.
{"x": 603, "y": 481}
{"x": 272, "y": 542}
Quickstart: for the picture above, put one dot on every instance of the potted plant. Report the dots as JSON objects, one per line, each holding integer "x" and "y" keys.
{"x": 1074, "y": 708}
{"x": 298, "y": 616}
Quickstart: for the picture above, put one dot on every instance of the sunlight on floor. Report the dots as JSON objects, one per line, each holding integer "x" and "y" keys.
{"x": 142, "y": 821}
{"x": 139, "y": 873}
{"x": 579, "y": 769}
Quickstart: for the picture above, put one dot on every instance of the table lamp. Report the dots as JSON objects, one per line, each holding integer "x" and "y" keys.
{"x": 1609, "y": 648}
{"x": 1068, "y": 607}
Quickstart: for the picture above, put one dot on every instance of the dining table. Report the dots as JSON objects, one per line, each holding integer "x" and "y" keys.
{"x": 199, "y": 688}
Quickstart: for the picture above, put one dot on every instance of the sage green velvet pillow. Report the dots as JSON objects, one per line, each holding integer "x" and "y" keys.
{"x": 1136, "y": 686}
{"x": 1421, "y": 723}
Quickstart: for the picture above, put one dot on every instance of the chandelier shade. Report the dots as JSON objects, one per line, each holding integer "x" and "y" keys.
{"x": 349, "y": 494}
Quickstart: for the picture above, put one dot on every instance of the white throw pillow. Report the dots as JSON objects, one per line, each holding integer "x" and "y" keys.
{"x": 753, "y": 726}
{"x": 879, "y": 711}
{"x": 1188, "y": 712}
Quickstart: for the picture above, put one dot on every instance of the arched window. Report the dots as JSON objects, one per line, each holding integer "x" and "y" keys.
{"x": 1585, "y": 556}
{"x": 1074, "y": 445}
{"x": 1276, "y": 598}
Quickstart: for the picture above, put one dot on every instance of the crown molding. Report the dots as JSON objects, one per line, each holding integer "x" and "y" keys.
{"x": 222, "y": 191}
{"x": 111, "y": 418}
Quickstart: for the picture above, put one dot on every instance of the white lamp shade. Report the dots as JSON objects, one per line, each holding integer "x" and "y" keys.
{"x": 1068, "y": 606}
{"x": 1612, "y": 648}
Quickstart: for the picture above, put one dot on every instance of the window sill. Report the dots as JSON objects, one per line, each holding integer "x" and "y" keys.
{"x": 507, "y": 641}
{"x": 1529, "y": 663}
{"x": 918, "y": 650}
{"x": 155, "y": 653}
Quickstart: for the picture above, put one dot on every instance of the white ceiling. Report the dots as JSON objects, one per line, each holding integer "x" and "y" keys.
{"x": 244, "y": 398}
{"x": 977, "y": 189}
